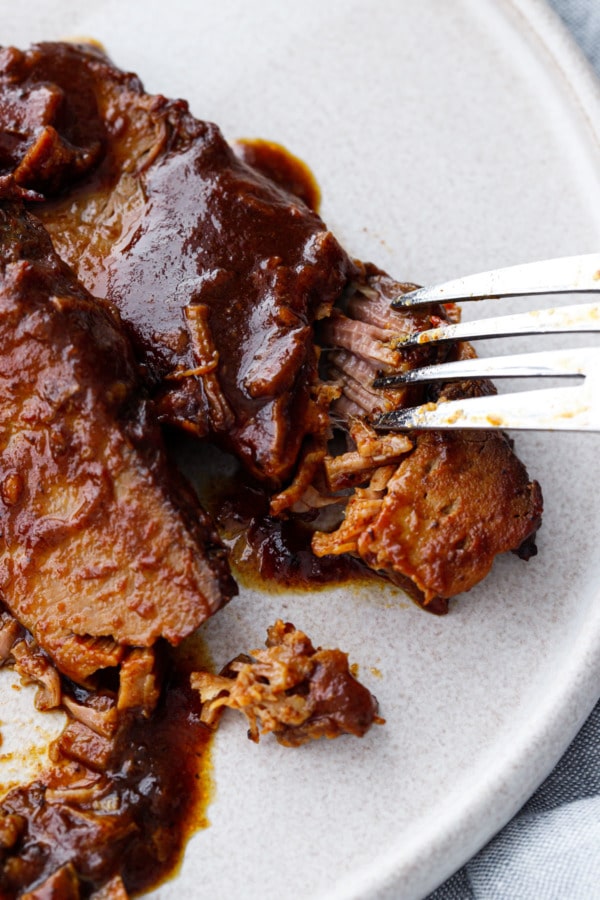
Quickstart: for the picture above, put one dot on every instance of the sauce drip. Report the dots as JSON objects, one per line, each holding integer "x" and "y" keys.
{"x": 280, "y": 166}
{"x": 275, "y": 554}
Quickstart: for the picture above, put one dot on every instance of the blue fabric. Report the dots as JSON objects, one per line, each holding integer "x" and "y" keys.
{"x": 582, "y": 18}
{"x": 551, "y": 849}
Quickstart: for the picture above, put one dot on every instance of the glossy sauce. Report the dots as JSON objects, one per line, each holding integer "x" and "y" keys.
{"x": 274, "y": 554}
{"x": 217, "y": 271}
{"x": 158, "y": 783}
{"x": 277, "y": 164}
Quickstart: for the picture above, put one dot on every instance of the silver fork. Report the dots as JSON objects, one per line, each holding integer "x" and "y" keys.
{"x": 564, "y": 408}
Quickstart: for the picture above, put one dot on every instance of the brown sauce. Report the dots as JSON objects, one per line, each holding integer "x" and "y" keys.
{"x": 155, "y": 787}
{"x": 275, "y": 554}
{"x": 267, "y": 552}
{"x": 277, "y": 164}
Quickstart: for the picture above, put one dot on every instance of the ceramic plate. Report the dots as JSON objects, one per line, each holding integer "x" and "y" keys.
{"x": 447, "y": 138}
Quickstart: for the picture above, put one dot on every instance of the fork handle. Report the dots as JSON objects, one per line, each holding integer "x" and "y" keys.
{"x": 570, "y": 274}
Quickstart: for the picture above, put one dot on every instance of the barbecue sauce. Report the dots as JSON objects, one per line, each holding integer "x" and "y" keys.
{"x": 153, "y": 793}
{"x": 280, "y": 166}
{"x": 275, "y": 553}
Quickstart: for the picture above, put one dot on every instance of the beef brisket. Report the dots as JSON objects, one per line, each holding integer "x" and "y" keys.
{"x": 102, "y": 548}
{"x": 233, "y": 289}
{"x": 217, "y": 271}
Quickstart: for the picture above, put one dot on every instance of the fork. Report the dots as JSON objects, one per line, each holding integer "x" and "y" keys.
{"x": 563, "y": 408}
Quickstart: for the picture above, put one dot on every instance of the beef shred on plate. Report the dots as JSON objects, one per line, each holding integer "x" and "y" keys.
{"x": 291, "y": 689}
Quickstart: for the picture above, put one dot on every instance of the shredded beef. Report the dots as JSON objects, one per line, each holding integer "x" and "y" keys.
{"x": 291, "y": 690}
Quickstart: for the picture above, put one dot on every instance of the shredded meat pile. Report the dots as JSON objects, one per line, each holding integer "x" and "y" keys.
{"x": 290, "y": 689}
{"x": 109, "y": 815}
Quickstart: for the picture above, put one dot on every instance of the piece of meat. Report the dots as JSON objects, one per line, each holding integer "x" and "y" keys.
{"x": 232, "y": 289}
{"x": 112, "y": 890}
{"x": 102, "y": 548}
{"x": 451, "y": 505}
{"x": 34, "y": 667}
{"x": 290, "y": 689}
{"x": 217, "y": 271}
{"x": 11, "y": 829}
{"x": 63, "y": 884}
{"x": 10, "y": 633}
{"x": 434, "y": 508}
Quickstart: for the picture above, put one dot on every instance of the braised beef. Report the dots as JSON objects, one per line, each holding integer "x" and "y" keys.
{"x": 435, "y": 508}
{"x": 240, "y": 320}
{"x": 102, "y": 547}
{"x": 232, "y": 289}
{"x": 110, "y": 816}
{"x": 290, "y": 689}
{"x": 217, "y": 271}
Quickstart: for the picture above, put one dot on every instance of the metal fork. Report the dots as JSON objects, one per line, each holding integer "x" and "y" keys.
{"x": 564, "y": 408}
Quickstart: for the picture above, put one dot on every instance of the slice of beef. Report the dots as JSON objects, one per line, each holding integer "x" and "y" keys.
{"x": 217, "y": 271}
{"x": 102, "y": 547}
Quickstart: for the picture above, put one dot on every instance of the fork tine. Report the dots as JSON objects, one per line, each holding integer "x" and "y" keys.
{"x": 559, "y": 363}
{"x": 551, "y": 409}
{"x": 555, "y": 276}
{"x": 582, "y": 318}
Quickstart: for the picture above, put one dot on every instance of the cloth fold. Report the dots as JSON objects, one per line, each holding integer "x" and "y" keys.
{"x": 551, "y": 849}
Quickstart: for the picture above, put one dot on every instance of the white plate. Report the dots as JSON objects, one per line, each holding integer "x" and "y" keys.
{"x": 447, "y": 137}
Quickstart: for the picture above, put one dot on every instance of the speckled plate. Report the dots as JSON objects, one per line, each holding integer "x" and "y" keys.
{"x": 447, "y": 137}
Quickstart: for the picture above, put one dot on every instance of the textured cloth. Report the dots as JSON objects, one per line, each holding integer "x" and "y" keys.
{"x": 582, "y": 18}
{"x": 551, "y": 849}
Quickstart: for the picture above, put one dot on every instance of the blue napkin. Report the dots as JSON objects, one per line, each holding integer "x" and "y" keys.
{"x": 582, "y": 18}
{"x": 551, "y": 849}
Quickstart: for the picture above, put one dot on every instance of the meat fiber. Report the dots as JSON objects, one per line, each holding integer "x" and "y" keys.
{"x": 291, "y": 689}
{"x": 433, "y": 509}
